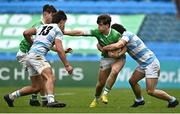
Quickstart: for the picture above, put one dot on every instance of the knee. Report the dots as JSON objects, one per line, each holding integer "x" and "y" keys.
{"x": 150, "y": 91}
{"x": 131, "y": 82}
{"x": 50, "y": 78}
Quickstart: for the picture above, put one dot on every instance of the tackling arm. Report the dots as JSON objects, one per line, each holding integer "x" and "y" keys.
{"x": 121, "y": 43}
{"x": 123, "y": 51}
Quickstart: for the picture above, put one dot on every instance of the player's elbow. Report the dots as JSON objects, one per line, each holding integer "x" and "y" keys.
{"x": 25, "y": 34}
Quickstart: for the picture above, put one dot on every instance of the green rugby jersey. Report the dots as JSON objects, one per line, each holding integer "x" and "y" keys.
{"x": 105, "y": 40}
{"x": 24, "y": 45}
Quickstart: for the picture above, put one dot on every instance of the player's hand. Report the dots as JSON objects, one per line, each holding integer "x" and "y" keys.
{"x": 69, "y": 69}
{"x": 114, "y": 53}
{"x": 69, "y": 50}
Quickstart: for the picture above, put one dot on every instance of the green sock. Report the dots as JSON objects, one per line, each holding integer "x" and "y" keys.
{"x": 43, "y": 98}
{"x": 97, "y": 98}
{"x": 34, "y": 97}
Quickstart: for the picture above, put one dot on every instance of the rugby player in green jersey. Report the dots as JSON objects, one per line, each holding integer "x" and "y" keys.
{"x": 109, "y": 67}
{"x": 24, "y": 47}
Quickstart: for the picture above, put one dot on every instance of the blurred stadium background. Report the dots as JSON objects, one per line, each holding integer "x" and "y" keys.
{"x": 155, "y": 21}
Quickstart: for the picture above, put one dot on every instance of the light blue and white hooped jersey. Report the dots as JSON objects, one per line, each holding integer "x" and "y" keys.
{"x": 45, "y": 37}
{"x": 137, "y": 49}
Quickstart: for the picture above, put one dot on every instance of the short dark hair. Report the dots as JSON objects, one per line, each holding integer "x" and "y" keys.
{"x": 58, "y": 16}
{"x": 118, "y": 27}
{"x": 104, "y": 18}
{"x": 49, "y": 8}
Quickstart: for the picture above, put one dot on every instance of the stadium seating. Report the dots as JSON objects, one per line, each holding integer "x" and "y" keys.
{"x": 163, "y": 28}
{"x": 87, "y": 6}
{"x": 161, "y": 34}
{"x": 93, "y": 0}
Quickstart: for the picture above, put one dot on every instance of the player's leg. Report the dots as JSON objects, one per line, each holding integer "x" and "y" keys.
{"x": 49, "y": 79}
{"x": 20, "y": 56}
{"x": 151, "y": 90}
{"x": 44, "y": 69}
{"x": 35, "y": 87}
{"x": 104, "y": 71}
{"x": 137, "y": 75}
{"x": 115, "y": 69}
{"x": 103, "y": 75}
{"x": 43, "y": 93}
{"x": 152, "y": 75}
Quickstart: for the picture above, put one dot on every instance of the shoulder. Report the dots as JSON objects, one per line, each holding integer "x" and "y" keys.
{"x": 128, "y": 33}
{"x": 95, "y": 31}
{"x": 115, "y": 33}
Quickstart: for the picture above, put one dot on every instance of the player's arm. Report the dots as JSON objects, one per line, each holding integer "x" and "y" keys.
{"x": 123, "y": 51}
{"x": 68, "y": 50}
{"x": 78, "y": 32}
{"x": 62, "y": 55}
{"x": 74, "y": 32}
{"x": 121, "y": 43}
{"x": 29, "y": 33}
{"x": 117, "y": 53}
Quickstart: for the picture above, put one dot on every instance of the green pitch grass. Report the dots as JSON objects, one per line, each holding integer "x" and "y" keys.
{"x": 78, "y": 100}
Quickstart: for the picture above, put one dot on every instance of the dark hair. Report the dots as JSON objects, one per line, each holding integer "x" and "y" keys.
{"x": 104, "y": 18}
{"x": 58, "y": 16}
{"x": 49, "y": 8}
{"x": 118, "y": 27}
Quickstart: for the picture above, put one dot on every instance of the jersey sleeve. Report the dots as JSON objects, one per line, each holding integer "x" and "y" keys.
{"x": 94, "y": 32}
{"x": 125, "y": 36}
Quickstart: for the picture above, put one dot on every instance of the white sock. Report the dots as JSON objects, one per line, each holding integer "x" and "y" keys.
{"x": 14, "y": 95}
{"x": 50, "y": 98}
{"x": 172, "y": 99}
{"x": 139, "y": 99}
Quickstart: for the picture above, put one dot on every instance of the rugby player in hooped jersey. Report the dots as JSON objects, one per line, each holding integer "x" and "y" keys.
{"x": 148, "y": 67}
{"x": 46, "y": 37}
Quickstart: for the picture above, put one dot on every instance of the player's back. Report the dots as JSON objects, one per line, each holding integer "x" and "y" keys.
{"x": 138, "y": 50}
{"x": 45, "y": 37}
